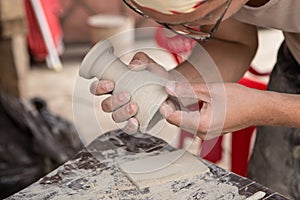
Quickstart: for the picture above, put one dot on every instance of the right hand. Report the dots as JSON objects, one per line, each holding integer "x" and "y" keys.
{"x": 120, "y": 104}
{"x": 241, "y": 107}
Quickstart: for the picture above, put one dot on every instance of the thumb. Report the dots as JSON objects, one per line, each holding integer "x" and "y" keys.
{"x": 188, "y": 121}
{"x": 188, "y": 90}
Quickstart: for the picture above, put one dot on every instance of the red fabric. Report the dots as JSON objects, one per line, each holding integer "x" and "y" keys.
{"x": 240, "y": 150}
{"x": 35, "y": 41}
{"x": 209, "y": 149}
{"x": 255, "y": 72}
{"x": 253, "y": 84}
{"x": 212, "y": 149}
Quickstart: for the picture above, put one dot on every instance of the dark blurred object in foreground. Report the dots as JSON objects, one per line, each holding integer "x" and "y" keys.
{"x": 33, "y": 142}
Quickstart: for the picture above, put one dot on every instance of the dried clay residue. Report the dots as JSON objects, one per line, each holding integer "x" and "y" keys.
{"x": 84, "y": 160}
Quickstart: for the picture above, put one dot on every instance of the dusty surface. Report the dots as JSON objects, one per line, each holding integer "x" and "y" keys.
{"x": 94, "y": 174}
{"x": 165, "y": 167}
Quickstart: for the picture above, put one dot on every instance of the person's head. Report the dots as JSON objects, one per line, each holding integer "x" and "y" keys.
{"x": 185, "y": 17}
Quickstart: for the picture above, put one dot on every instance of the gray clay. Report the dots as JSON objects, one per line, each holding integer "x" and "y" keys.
{"x": 146, "y": 88}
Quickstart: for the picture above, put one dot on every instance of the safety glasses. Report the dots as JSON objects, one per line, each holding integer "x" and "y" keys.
{"x": 190, "y": 31}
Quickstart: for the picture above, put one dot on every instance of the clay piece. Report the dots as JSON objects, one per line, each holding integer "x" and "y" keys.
{"x": 156, "y": 170}
{"x": 257, "y": 196}
{"x": 146, "y": 88}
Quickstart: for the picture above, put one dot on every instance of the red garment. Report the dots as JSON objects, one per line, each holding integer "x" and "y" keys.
{"x": 35, "y": 40}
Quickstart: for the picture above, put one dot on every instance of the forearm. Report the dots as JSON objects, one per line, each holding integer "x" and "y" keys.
{"x": 281, "y": 110}
{"x": 231, "y": 63}
{"x": 230, "y": 51}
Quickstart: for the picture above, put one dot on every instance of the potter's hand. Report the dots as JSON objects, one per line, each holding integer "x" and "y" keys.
{"x": 243, "y": 108}
{"x": 119, "y": 104}
{"x": 142, "y": 61}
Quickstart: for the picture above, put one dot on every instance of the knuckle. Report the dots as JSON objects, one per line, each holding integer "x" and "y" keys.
{"x": 132, "y": 108}
{"x": 140, "y": 54}
{"x": 122, "y": 98}
{"x": 201, "y": 136}
{"x": 202, "y": 128}
{"x": 200, "y": 89}
{"x": 185, "y": 88}
{"x": 117, "y": 117}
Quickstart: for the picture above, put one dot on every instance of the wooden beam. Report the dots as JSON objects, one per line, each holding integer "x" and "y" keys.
{"x": 14, "y": 62}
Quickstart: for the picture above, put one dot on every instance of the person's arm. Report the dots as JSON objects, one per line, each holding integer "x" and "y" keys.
{"x": 232, "y": 49}
{"x": 244, "y": 107}
{"x": 281, "y": 109}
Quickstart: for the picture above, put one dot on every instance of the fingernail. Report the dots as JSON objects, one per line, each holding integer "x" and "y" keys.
{"x": 124, "y": 97}
{"x": 131, "y": 127}
{"x": 135, "y": 63}
{"x": 133, "y": 123}
{"x": 108, "y": 86}
{"x": 171, "y": 87}
{"x": 93, "y": 87}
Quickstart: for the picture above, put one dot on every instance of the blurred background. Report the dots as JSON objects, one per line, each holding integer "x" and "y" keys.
{"x": 44, "y": 41}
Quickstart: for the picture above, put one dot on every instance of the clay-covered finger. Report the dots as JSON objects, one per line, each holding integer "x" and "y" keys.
{"x": 124, "y": 113}
{"x": 188, "y": 90}
{"x": 115, "y": 101}
{"x": 189, "y": 121}
{"x": 102, "y": 87}
{"x": 139, "y": 61}
{"x": 167, "y": 108}
{"x": 142, "y": 61}
{"x": 132, "y": 126}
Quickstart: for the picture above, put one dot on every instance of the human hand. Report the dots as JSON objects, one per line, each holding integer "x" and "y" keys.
{"x": 241, "y": 107}
{"x": 120, "y": 104}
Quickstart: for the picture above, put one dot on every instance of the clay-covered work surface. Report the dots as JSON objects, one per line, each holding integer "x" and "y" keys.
{"x": 95, "y": 174}
{"x": 162, "y": 168}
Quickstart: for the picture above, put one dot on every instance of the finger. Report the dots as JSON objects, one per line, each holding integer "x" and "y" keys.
{"x": 188, "y": 90}
{"x": 102, "y": 87}
{"x": 124, "y": 113}
{"x": 142, "y": 61}
{"x": 139, "y": 61}
{"x": 132, "y": 126}
{"x": 167, "y": 108}
{"x": 192, "y": 122}
{"x": 189, "y": 121}
{"x": 115, "y": 101}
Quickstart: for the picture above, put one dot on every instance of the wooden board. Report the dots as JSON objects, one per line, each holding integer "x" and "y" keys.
{"x": 14, "y": 61}
{"x": 11, "y": 10}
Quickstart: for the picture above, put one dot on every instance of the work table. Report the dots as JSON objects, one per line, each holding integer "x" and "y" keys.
{"x": 94, "y": 174}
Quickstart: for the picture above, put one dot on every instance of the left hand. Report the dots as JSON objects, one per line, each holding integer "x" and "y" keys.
{"x": 120, "y": 104}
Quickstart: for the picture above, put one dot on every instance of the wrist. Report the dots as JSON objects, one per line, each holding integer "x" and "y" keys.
{"x": 185, "y": 72}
